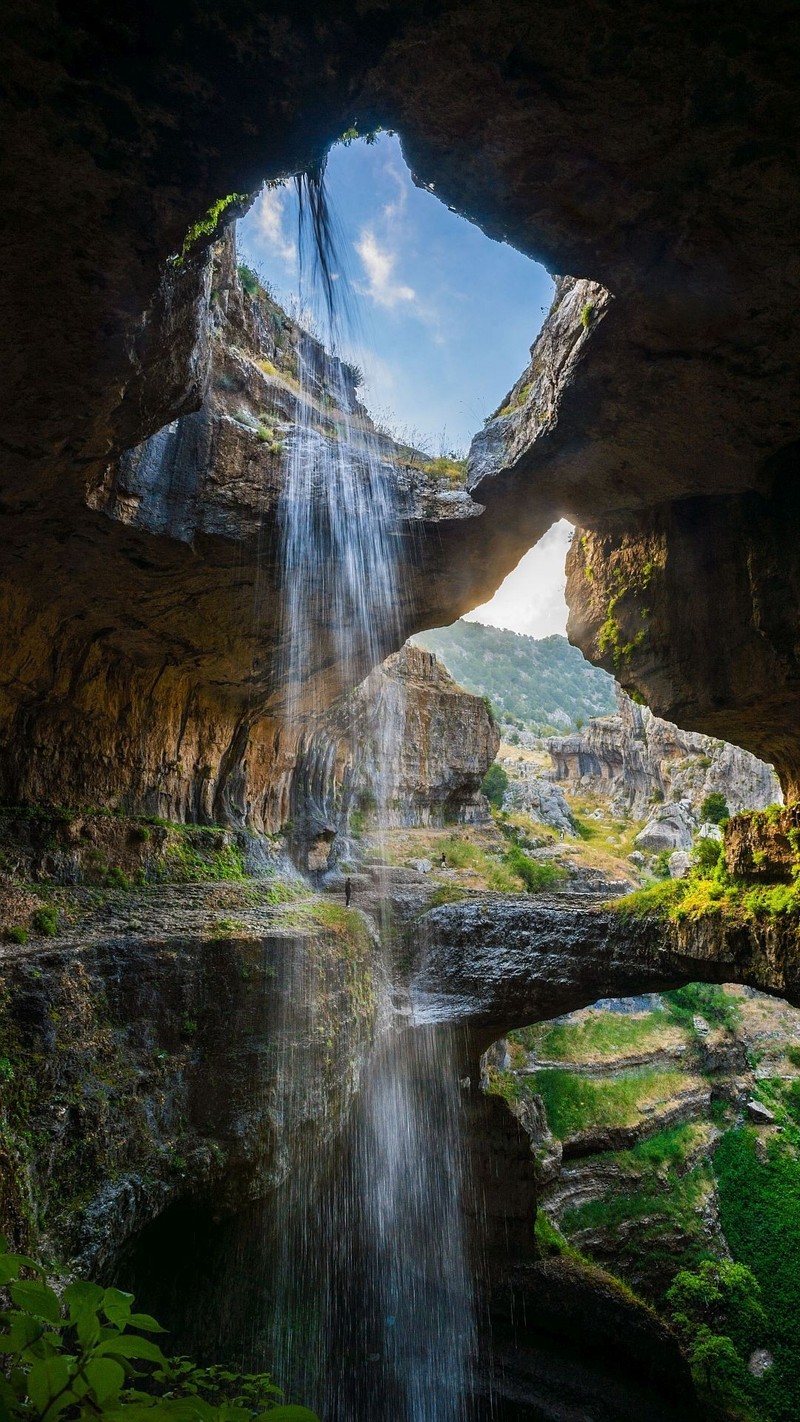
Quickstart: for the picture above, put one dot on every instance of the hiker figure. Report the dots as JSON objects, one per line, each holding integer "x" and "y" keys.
{"x": 348, "y": 892}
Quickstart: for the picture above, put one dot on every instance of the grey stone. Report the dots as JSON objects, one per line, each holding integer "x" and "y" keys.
{"x": 634, "y": 756}
{"x": 759, "y": 1113}
{"x": 680, "y": 862}
{"x": 669, "y": 827}
{"x": 540, "y": 799}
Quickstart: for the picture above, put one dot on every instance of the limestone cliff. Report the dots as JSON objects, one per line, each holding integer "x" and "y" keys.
{"x": 178, "y": 706}
{"x": 173, "y": 1041}
{"x": 409, "y": 745}
{"x": 635, "y": 757}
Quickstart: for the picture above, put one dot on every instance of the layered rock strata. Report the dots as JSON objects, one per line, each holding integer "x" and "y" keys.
{"x": 492, "y": 963}
{"x": 208, "y": 1057}
{"x": 636, "y": 758}
{"x": 663, "y": 418}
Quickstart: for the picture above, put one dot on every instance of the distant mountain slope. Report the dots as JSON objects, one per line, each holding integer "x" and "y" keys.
{"x": 547, "y": 684}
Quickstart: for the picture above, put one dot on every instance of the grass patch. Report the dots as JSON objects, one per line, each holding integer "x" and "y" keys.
{"x": 445, "y": 467}
{"x": 445, "y": 894}
{"x": 709, "y": 891}
{"x": 677, "y": 1203}
{"x": 703, "y": 1000}
{"x": 576, "y": 1103}
{"x": 669, "y": 1149}
{"x": 601, "y": 1034}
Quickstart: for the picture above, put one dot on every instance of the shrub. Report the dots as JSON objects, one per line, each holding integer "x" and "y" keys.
{"x": 249, "y": 279}
{"x": 587, "y": 312}
{"x": 17, "y": 934}
{"x": 141, "y": 833}
{"x": 661, "y": 864}
{"x": 714, "y": 808}
{"x": 45, "y": 920}
{"x": 703, "y": 1000}
{"x": 495, "y": 784}
{"x": 707, "y": 852}
{"x": 85, "y": 1356}
{"x": 535, "y": 875}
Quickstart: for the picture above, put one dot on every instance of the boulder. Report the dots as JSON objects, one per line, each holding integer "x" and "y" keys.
{"x": 709, "y": 831}
{"x": 669, "y": 827}
{"x": 543, "y": 801}
{"x": 680, "y": 862}
{"x": 759, "y": 1113}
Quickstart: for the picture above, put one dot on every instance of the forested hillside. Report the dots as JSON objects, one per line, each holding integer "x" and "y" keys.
{"x": 546, "y": 684}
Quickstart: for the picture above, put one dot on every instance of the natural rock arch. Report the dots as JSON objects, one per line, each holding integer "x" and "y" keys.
{"x": 647, "y": 150}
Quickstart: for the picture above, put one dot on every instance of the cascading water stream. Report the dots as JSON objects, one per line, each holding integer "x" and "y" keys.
{"x": 373, "y": 1311}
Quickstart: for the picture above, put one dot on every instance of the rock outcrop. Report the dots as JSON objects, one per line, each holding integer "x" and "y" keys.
{"x": 669, "y": 827}
{"x": 491, "y": 963}
{"x": 151, "y": 1054}
{"x": 540, "y": 799}
{"x": 662, "y": 418}
{"x": 636, "y": 758}
{"x": 409, "y": 746}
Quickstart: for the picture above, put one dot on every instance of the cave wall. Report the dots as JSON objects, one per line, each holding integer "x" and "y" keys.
{"x": 205, "y": 1059}
{"x": 649, "y": 152}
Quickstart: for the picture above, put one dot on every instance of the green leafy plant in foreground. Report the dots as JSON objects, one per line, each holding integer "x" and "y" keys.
{"x": 84, "y": 1355}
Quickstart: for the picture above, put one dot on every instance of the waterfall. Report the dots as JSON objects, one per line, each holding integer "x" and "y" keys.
{"x": 372, "y": 1315}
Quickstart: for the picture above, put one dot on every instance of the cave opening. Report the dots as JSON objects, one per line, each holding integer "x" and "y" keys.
{"x": 134, "y": 681}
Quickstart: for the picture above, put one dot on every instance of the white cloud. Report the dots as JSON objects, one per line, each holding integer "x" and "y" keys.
{"x": 379, "y": 264}
{"x": 269, "y": 218}
{"x": 531, "y": 600}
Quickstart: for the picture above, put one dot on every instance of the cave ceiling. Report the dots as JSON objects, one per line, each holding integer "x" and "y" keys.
{"x": 648, "y": 149}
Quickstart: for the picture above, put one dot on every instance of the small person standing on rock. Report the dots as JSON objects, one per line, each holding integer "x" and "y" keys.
{"x": 443, "y": 861}
{"x": 348, "y": 892}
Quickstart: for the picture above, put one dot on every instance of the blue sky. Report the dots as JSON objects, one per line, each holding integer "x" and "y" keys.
{"x": 445, "y": 319}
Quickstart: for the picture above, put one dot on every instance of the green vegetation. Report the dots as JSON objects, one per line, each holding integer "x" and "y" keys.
{"x": 199, "y": 856}
{"x": 587, "y": 312}
{"x": 506, "y": 874}
{"x": 717, "y": 1310}
{"x": 537, "y": 875}
{"x": 677, "y": 1201}
{"x": 707, "y": 892}
{"x": 714, "y": 808}
{"x": 495, "y": 784}
{"x": 249, "y": 279}
{"x": 545, "y": 684}
{"x": 575, "y": 1103}
{"x": 87, "y": 1355}
{"x": 515, "y": 402}
{"x": 703, "y": 1000}
{"x": 759, "y": 1199}
{"x": 18, "y": 933}
{"x": 446, "y": 466}
{"x": 208, "y": 225}
{"x": 603, "y": 1034}
{"x": 45, "y": 921}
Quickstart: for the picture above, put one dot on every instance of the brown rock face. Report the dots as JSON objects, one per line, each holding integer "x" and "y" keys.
{"x": 694, "y": 605}
{"x": 649, "y": 154}
{"x": 409, "y": 743}
{"x": 764, "y": 848}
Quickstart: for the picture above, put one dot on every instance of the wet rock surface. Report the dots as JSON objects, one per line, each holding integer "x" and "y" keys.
{"x": 149, "y": 1048}
{"x": 499, "y": 962}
